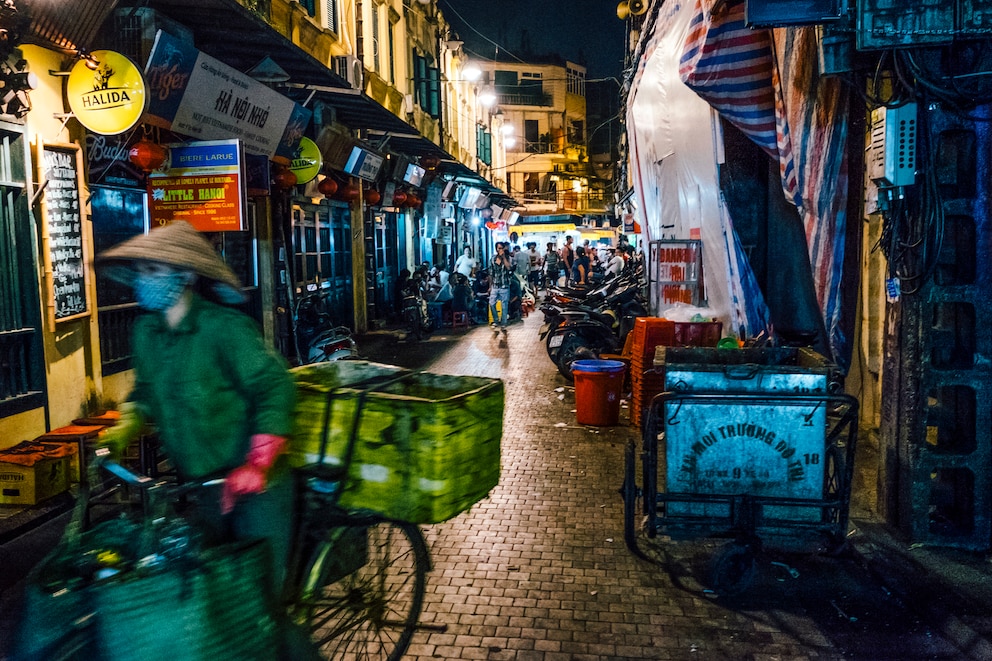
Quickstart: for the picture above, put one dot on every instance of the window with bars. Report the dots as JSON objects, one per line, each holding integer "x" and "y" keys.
{"x": 576, "y": 81}
{"x": 21, "y": 361}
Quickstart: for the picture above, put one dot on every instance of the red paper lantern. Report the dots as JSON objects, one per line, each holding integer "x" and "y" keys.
{"x": 147, "y": 155}
{"x": 399, "y": 198}
{"x": 372, "y": 197}
{"x": 413, "y": 201}
{"x": 327, "y": 187}
{"x": 349, "y": 192}
{"x": 284, "y": 178}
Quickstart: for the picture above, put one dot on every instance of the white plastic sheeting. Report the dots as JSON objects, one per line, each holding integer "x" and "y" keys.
{"x": 675, "y": 147}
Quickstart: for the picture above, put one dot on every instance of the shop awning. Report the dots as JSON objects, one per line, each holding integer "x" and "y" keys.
{"x": 227, "y": 30}
{"x": 66, "y": 26}
{"x": 546, "y": 228}
{"x": 416, "y": 146}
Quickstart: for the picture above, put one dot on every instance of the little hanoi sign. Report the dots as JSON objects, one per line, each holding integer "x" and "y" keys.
{"x": 202, "y": 183}
{"x": 110, "y": 98}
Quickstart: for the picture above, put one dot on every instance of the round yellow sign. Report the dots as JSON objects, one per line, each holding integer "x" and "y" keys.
{"x": 307, "y": 161}
{"x": 109, "y": 98}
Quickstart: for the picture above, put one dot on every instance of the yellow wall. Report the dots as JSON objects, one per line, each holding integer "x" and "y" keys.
{"x": 71, "y": 348}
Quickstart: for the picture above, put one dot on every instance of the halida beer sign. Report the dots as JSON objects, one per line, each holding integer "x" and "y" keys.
{"x": 110, "y": 98}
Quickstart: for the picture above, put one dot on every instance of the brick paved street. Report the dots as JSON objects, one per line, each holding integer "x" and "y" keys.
{"x": 539, "y": 570}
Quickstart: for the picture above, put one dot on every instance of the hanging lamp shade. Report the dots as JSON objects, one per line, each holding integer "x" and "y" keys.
{"x": 284, "y": 178}
{"x": 429, "y": 161}
{"x": 349, "y": 192}
{"x": 327, "y": 187}
{"x": 147, "y": 155}
{"x": 413, "y": 201}
{"x": 372, "y": 197}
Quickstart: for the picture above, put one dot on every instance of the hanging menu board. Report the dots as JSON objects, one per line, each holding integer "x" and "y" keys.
{"x": 60, "y": 166}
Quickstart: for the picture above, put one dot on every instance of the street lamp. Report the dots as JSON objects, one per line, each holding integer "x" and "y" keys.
{"x": 487, "y": 97}
{"x": 471, "y": 72}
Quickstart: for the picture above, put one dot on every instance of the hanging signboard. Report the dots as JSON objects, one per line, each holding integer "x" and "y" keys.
{"x": 676, "y": 271}
{"x": 201, "y": 183}
{"x": 199, "y": 96}
{"x": 106, "y": 92}
{"x": 307, "y": 161}
{"x": 62, "y": 232}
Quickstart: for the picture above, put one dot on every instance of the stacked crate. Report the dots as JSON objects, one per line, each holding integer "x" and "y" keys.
{"x": 648, "y": 334}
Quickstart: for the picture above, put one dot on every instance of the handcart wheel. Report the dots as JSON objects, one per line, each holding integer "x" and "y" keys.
{"x": 733, "y": 569}
{"x": 629, "y": 493}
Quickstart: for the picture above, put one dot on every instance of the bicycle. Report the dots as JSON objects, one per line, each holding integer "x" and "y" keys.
{"x": 356, "y": 579}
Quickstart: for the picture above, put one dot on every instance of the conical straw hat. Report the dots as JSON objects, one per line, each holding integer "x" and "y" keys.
{"x": 176, "y": 244}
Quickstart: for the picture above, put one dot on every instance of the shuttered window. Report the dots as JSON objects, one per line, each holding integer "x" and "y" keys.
{"x": 21, "y": 361}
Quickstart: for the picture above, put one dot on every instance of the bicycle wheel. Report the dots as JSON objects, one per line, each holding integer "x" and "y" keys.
{"x": 372, "y": 611}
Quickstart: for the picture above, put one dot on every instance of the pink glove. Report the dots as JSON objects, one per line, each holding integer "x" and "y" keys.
{"x": 251, "y": 477}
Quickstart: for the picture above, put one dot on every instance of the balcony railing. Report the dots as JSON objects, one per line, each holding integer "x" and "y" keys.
{"x": 571, "y": 201}
{"x": 538, "y": 99}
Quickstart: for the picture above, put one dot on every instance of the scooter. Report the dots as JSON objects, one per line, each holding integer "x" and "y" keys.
{"x": 318, "y": 340}
{"x": 587, "y": 335}
{"x": 624, "y": 301}
{"x": 416, "y": 317}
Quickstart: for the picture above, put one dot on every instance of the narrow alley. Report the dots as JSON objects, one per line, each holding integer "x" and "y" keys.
{"x": 539, "y": 570}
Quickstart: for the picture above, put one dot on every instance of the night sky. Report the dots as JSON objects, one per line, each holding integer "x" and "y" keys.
{"x": 583, "y": 31}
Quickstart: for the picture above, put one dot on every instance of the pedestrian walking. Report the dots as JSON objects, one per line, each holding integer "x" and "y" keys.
{"x": 500, "y": 273}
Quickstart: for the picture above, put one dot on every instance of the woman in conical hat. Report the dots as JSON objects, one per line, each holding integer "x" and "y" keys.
{"x": 219, "y": 396}
{"x": 177, "y": 245}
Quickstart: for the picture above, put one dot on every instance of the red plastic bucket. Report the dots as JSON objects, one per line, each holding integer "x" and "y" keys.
{"x": 597, "y": 391}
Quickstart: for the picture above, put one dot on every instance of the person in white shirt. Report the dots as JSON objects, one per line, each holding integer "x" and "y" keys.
{"x": 614, "y": 265}
{"x": 466, "y": 264}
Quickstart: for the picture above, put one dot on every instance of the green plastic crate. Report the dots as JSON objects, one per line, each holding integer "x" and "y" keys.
{"x": 428, "y": 445}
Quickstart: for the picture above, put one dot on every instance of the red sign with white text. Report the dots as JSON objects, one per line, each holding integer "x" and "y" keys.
{"x": 203, "y": 185}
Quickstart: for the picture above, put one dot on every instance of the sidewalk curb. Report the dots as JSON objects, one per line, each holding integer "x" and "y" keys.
{"x": 920, "y": 589}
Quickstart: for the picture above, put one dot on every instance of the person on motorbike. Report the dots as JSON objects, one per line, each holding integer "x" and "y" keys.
{"x": 480, "y": 289}
{"x": 614, "y": 265}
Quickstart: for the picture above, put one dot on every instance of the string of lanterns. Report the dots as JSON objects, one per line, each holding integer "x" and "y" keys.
{"x": 149, "y": 156}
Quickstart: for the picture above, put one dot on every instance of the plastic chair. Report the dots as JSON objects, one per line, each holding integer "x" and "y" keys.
{"x": 460, "y": 319}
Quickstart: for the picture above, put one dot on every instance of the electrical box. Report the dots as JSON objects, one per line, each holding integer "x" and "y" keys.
{"x": 784, "y": 13}
{"x": 892, "y": 148}
{"x": 903, "y": 23}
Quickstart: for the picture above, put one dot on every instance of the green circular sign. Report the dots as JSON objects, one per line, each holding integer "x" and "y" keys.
{"x": 307, "y": 161}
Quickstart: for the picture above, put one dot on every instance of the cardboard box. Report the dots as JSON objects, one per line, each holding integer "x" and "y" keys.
{"x": 23, "y": 484}
{"x": 427, "y": 445}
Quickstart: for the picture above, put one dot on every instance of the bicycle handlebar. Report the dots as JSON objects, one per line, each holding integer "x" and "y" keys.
{"x": 127, "y": 476}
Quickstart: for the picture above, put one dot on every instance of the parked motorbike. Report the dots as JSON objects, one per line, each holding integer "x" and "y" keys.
{"x": 416, "y": 316}
{"x": 587, "y": 334}
{"x": 317, "y": 338}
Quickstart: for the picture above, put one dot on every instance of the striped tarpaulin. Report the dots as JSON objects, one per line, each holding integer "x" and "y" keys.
{"x": 766, "y": 84}
{"x": 731, "y": 67}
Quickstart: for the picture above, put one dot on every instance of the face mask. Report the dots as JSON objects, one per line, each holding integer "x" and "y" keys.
{"x": 158, "y": 292}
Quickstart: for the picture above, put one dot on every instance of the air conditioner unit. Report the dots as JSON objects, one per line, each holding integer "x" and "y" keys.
{"x": 350, "y": 68}
{"x": 135, "y": 28}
